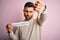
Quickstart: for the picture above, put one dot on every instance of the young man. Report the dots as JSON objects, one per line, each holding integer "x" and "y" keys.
{"x": 31, "y": 32}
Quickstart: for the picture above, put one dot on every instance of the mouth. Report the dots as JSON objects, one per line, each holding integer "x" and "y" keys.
{"x": 27, "y": 17}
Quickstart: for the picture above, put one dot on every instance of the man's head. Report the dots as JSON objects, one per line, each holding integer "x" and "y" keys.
{"x": 28, "y": 10}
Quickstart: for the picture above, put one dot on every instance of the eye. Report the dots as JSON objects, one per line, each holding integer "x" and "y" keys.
{"x": 26, "y": 11}
{"x": 30, "y": 11}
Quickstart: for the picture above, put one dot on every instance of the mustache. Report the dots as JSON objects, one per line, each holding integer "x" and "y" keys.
{"x": 27, "y": 15}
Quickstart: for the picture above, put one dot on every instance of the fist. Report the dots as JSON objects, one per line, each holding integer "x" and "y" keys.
{"x": 39, "y": 6}
{"x": 9, "y": 28}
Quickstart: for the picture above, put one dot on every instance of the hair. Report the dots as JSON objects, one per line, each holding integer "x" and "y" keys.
{"x": 29, "y": 4}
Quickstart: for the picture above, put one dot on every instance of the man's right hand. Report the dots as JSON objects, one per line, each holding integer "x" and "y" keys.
{"x": 9, "y": 28}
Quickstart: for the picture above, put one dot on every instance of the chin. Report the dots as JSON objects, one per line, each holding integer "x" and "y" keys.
{"x": 28, "y": 18}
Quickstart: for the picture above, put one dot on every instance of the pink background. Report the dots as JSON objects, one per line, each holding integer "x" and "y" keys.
{"x": 12, "y": 11}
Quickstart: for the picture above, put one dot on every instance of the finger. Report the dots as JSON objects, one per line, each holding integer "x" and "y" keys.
{"x": 10, "y": 26}
{"x": 38, "y": 7}
{"x": 37, "y": 2}
{"x": 40, "y": 3}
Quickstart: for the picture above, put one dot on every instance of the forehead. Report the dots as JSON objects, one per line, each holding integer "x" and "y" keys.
{"x": 29, "y": 8}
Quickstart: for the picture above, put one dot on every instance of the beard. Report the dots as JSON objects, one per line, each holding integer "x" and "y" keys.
{"x": 28, "y": 17}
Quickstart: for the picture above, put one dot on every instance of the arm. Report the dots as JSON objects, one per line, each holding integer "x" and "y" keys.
{"x": 10, "y": 32}
{"x": 40, "y": 8}
{"x": 42, "y": 17}
{"x": 13, "y": 36}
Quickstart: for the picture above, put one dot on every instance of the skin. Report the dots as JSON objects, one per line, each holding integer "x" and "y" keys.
{"x": 29, "y": 11}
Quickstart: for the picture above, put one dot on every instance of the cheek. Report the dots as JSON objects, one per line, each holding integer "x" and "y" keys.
{"x": 31, "y": 13}
{"x": 25, "y": 13}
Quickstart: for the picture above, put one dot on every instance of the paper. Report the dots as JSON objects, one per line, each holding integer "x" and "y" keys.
{"x": 20, "y": 24}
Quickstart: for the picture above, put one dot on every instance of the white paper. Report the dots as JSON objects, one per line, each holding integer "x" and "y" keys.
{"x": 20, "y": 24}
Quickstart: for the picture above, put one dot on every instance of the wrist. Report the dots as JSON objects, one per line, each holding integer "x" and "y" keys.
{"x": 44, "y": 9}
{"x": 9, "y": 31}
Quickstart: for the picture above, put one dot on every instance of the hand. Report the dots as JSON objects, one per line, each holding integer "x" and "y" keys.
{"x": 39, "y": 7}
{"x": 9, "y": 28}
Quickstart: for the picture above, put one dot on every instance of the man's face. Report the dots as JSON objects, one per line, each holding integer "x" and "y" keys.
{"x": 28, "y": 12}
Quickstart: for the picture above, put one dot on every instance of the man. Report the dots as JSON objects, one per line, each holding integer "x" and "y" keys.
{"x": 31, "y": 32}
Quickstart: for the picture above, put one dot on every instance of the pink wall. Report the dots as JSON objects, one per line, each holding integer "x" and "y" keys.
{"x": 12, "y": 11}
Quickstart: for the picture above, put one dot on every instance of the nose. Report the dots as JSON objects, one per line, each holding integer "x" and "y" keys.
{"x": 28, "y": 13}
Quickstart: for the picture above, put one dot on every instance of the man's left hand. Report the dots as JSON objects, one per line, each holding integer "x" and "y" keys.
{"x": 39, "y": 7}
